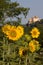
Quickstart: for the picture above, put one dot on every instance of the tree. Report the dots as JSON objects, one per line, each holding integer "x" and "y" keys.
{"x": 11, "y": 9}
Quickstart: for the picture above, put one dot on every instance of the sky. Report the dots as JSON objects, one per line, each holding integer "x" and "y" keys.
{"x": 36, "y": 7}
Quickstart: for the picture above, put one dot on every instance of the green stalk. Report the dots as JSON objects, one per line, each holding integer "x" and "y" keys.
{"x": 3, "y": 57}
{"x": 20, "y": 62}
{"x": 6, "y": 42}
{"x": 26, "y": 60}
{"x": 3, "y": 50}
{"x": 8, "y": 52}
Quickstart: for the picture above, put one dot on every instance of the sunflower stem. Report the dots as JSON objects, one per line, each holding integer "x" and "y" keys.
{"x": 26, "y": 61}
{"x": 3, "y": 50}
{"x": 8, "y": 52}
{"x": 20, "y": 62}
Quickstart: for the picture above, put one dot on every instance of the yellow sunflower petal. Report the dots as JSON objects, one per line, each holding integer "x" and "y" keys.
{"x": 20, "y": 30}
{"x": 31, "y": 46}
{"x": 6, "y": 28}
{"x": 21, "y": 51}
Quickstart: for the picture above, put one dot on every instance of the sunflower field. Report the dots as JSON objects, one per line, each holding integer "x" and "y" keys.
{"x": 21, "y": 44}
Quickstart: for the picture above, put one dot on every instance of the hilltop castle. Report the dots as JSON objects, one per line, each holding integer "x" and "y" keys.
{"x": 33, "y": 19}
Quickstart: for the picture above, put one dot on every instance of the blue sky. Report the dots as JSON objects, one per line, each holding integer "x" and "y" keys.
{"x": 36, "y": 7}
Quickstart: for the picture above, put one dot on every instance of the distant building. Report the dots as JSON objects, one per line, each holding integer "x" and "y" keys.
{"x": 33, "y": 19}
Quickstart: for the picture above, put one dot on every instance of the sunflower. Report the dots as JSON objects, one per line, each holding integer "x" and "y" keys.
{"x": 6, "y": 28}
{"x": 31, "y": 46}
{"x": 13, "y": 34}
{"x": 21, "y": 51}
{"x": 34, "y": 45}
{"x": 20, "y": 30}
{"x": 35, "y": 32}
{"x": 28, "y": 37}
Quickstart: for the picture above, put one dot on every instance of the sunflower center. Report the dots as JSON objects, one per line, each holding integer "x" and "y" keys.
{"x": 34, "y": 32}
{"x": 13, "y": 33}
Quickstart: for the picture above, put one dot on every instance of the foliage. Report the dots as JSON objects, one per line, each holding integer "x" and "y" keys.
{"x": 11, "y": 9}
